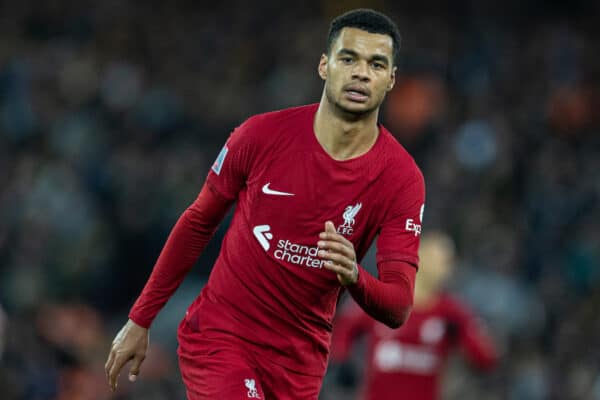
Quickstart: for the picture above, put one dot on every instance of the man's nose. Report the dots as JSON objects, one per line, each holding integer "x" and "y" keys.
{"x": 361, "y": 71}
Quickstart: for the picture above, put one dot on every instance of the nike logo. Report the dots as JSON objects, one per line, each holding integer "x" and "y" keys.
{"x": 266, "y": 190}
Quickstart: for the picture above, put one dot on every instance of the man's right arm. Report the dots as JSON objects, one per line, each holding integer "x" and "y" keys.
{"x": 186, "y": 242}
{"x": 226, "y": 178}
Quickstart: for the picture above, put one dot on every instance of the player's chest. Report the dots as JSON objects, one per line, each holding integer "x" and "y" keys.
{"x": 301, "y": 191}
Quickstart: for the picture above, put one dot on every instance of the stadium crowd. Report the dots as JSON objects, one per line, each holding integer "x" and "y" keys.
{"x": 111, "y": 114}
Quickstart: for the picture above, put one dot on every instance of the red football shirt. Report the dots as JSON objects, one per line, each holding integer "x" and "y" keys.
{"x": 268, "y": 287}
{"x": 408, "y": 362}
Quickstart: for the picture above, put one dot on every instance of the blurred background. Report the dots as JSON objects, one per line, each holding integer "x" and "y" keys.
{"x": 112, "y": 112}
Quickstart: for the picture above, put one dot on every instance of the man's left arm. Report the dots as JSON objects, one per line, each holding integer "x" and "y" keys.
{"x": 387, "y": 299}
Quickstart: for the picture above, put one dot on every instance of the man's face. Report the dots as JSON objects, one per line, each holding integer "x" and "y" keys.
{"x": 358, "y": 71}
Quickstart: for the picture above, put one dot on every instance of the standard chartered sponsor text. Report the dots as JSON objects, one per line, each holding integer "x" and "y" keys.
{"x": 298, "y": 254}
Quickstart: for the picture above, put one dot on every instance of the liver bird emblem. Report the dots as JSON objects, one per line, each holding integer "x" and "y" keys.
{"x": 349, "y": 214}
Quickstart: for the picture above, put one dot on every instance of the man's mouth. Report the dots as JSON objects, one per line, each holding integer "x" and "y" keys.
{"x": 357, "y": 93}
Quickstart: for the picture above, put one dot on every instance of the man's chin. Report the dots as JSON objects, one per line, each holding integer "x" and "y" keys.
{"x": 355, "y": 108}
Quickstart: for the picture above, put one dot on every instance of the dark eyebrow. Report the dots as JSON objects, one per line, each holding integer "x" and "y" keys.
{"x": 348, "y": 52}
{"x": 376, "y": 57}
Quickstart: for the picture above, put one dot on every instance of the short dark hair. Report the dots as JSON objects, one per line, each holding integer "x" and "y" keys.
{"x": 368, "y": 20}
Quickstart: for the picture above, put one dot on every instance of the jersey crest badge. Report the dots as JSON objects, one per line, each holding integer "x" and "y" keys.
{"x": 251, "y": 386}
{"x": 349, "y": 219}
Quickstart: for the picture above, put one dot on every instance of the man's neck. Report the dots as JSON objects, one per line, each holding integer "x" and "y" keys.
{"x": 341, "y": 137}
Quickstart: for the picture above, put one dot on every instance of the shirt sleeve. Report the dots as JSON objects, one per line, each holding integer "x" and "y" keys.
{"x": 188, "y": 238}
{"x": 388, "y": 299}
{"x": 195, "y": 227}
{"x": 401, "y": 231}
{"x": 230, "y": 171}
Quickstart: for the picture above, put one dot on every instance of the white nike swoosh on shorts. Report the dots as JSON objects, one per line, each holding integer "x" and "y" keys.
{"x": 266, "y": 190}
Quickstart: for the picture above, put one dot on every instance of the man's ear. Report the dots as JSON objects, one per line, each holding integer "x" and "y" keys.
{"x": 323, "y": 66}
{"x": 393, "y": 79}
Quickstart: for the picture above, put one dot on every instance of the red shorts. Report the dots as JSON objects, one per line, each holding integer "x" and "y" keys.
{"x": 224, "y": 369}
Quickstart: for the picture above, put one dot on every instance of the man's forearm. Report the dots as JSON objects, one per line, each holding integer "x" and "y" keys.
{"x": 186, "y": 242}
{"x": 390, "y": 299}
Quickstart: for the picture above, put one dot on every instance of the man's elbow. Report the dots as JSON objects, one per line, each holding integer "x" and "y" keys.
{"x": 397, "y": 318}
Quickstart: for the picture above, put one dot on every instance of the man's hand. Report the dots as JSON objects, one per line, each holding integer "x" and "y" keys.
{"x": 130, "y": 343}
{"x": 339, "y": 253}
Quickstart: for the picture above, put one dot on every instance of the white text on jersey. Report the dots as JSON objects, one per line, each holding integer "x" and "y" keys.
{"x": 412, "y": 227}
{"x": 287, "y": 251}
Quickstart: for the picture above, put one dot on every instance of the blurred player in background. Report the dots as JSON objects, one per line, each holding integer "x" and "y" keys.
{"x": 408, "y": 363}
{"x": 314, "y": 186}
